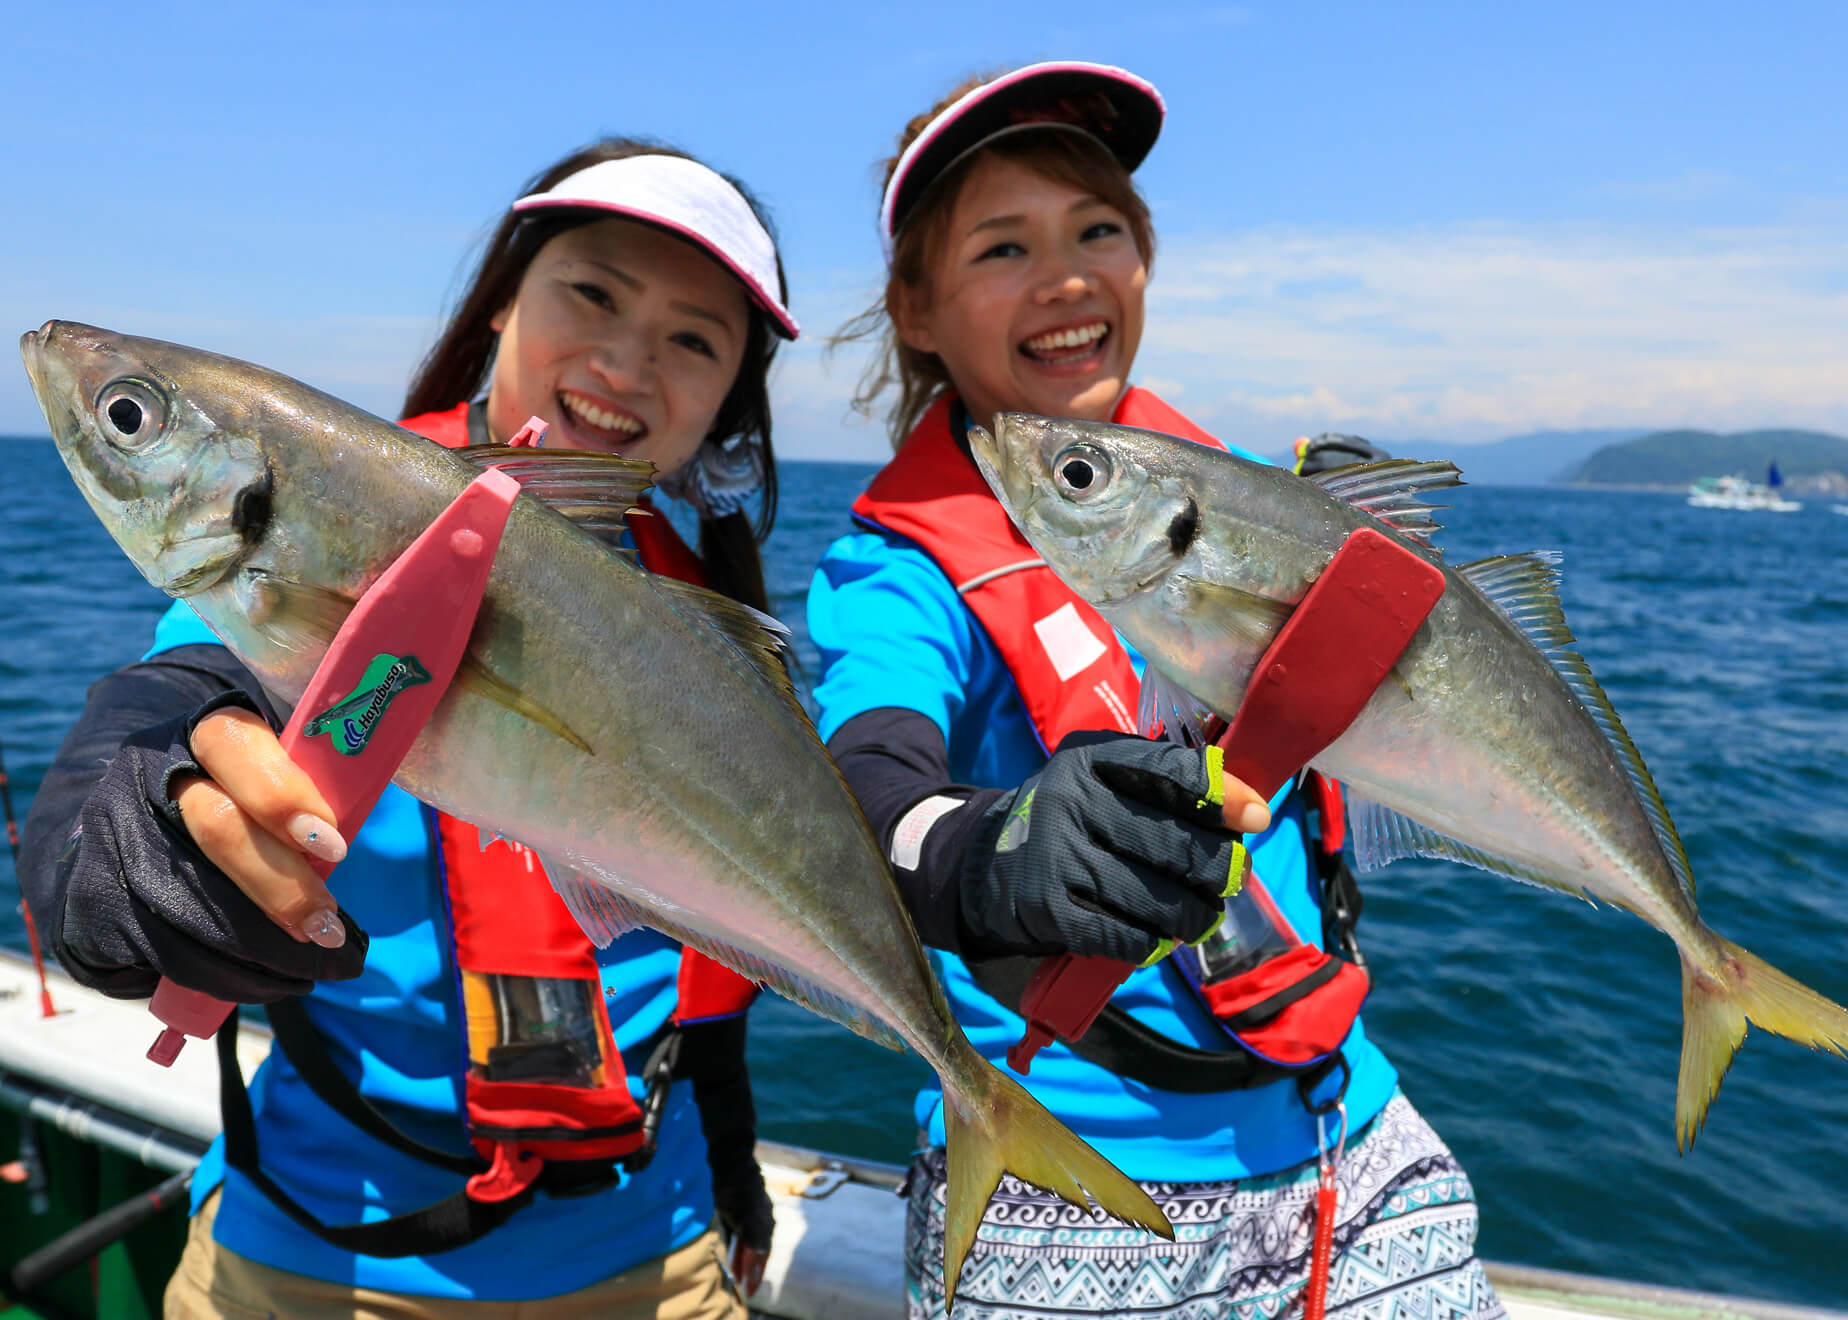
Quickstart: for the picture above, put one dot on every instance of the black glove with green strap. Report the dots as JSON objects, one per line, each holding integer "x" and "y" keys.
{"x": 1118, "y": 848}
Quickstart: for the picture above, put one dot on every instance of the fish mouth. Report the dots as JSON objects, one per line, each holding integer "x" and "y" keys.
{"x": 208, "y": 559}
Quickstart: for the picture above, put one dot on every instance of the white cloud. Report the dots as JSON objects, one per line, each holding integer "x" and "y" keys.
{"x": 1458, "y": 333}
{"x": 1468, "y": 333}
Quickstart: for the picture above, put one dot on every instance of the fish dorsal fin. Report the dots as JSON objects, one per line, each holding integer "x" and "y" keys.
{"x": 604, "y": 913}
{"x": 1391, "y": 491}
{"x": 1526, "y": 589}
{"x": 595, "y": 491}
{"x": 760, "y": 639}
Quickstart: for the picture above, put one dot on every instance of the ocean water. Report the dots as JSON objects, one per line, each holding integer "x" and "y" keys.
{"x": 1538, "y": 1034}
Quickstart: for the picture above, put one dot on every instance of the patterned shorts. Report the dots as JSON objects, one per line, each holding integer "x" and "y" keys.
{"x": 1404, "y": 1244}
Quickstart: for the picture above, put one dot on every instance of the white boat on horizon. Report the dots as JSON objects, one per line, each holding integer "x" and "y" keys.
{"x": 1735, "y": 492}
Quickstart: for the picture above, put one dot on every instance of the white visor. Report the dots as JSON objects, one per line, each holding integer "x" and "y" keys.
{"x": 685, "y": 198}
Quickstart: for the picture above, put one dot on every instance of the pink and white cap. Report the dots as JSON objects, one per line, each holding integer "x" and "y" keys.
{"x": 685, "y": 198}
{"x": 1114, "y": 106}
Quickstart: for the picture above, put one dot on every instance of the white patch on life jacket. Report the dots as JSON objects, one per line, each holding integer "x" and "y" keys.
{"x": 908, "y": 835}
{"x": 1069, "y": 644}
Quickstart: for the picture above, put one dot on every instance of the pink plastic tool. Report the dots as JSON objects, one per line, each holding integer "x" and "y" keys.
{"x": 377, "y": 687}
{"x": 530, "y": 436}
{"x": 1333, "y": 651}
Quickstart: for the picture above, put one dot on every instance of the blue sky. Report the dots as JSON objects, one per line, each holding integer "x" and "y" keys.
{"x": 1455, "y": 221}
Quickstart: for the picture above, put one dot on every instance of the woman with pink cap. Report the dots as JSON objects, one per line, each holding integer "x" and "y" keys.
{"x": 457, "y": 1119}
{"x": 985, "y": 718}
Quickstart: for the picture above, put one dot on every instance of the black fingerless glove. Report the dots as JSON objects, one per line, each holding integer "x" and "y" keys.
{"x": 712, "y": 1058}
{"x": 1118, "y": 844}
{"x": 140, "y": 901}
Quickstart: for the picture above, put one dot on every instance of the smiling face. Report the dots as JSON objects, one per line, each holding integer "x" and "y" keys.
{"x": 1033, "y": 298}
{"x": 626, "y": 339}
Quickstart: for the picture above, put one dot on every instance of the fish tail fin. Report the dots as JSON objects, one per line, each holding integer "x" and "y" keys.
{"x": 1715, "y": 1007}
{"x": 993, "y": 1126}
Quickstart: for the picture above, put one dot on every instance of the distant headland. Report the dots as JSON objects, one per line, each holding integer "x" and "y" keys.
{"x": 1811, "y": 462}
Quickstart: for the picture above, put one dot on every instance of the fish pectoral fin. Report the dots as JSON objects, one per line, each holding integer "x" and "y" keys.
{"x": 1238, "y": 616}
{"x": 1166, "y": 708}
{"x": 295, "y": 615}
{"x": 477, "y": 678}
{"x": 595, "y": 491}
{"x": 1391, "y": 491}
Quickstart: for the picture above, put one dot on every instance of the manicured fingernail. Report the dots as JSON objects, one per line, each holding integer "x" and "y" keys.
{"x": 325, "y": 928}
{"x": 317, "y": 838}
{"x": 1254, "y": 817}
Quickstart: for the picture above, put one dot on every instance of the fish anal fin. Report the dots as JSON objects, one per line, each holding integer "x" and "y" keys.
{"x": 605, "y": 913}
{"x": 1381, "y": 835}
{"x": 599, "y": 910}
{"x": 1167, "y": 710}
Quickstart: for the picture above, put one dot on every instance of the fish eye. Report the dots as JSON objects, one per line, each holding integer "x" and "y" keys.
{"x": 1081, "y": 472}
{"x": 130, "y": 413}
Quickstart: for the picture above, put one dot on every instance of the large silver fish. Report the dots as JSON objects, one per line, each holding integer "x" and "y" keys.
{"x": 639, "y": 734}
{"x": 1489, "y": 744}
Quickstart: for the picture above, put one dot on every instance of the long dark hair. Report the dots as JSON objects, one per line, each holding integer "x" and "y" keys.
{"x": 460, "y": 364}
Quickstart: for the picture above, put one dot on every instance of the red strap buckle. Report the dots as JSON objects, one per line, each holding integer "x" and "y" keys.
{"x": 513, "y": 1171}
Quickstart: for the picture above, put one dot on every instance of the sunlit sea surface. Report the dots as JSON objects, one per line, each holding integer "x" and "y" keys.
{"x": 1538, "y": 1034}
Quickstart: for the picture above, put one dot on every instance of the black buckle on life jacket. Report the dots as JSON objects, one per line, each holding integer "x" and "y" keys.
{"x": 657, "y": 1076}
{"x": 1306, "y": 1082}
{"x": 1341, "y": 902}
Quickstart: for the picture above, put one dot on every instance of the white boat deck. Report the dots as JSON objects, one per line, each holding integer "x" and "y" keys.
{"x": 839, "y": 1227}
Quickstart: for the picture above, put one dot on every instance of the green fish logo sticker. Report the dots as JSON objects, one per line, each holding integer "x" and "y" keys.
{"x": 350, "y": 722}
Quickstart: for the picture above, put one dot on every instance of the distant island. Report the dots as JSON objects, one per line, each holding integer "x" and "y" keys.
{"x": 1809, "y": 461}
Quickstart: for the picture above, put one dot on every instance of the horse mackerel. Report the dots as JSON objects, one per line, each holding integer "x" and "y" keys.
{"x": 628, "y": 728}
{"x": 1491, "y": 743}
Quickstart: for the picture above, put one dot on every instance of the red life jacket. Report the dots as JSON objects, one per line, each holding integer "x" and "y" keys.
{"x": 1068, "y": 665}
{"x": 1291, "y": 1010}
{"x": 564, "y": 1097}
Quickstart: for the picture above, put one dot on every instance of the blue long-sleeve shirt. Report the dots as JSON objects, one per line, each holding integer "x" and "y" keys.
{"x": 892, "y": 632}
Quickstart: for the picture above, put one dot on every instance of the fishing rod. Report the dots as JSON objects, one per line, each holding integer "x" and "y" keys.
{"x": 25, "y": 908}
